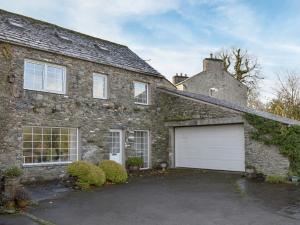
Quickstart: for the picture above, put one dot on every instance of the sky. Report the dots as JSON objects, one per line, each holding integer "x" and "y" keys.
{"x": 175, "y": 35}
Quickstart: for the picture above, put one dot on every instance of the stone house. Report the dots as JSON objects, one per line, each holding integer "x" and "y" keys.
{"x": 67, "y": 96}
{"x": 214, "y": 81}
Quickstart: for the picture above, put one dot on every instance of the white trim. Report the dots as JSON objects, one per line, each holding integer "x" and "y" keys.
{"x": 121, "y": 143}
{"x": 148, "y": 144}
{"x": 105, "y": 85}
{"x": 45, "y": 73}
{"x": 45, "y": 164}
{"x": 147, "y": 89}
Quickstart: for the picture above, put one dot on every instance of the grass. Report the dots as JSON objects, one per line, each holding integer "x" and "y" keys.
{"x": 273, "y": 179}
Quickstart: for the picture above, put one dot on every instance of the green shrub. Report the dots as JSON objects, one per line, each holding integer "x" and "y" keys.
{"x": 135, "y": 161}
{"x": 13, "y": 171}
{"x": 273, "y": 179}
{"x": 114, "y": 172}
{"x": 287, "y": 138}
{"x": 87, "y": 174}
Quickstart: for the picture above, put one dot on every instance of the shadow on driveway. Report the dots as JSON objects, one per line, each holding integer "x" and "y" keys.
{"x": 181, "y": 197}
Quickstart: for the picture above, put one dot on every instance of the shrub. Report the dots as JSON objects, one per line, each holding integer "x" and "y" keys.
{"x": 13, "y": 171}
{"x": 87, "y": 174}
{"x": 273, "y": 179}
{"x": 114, "y": 171}
{"x": 135, "y": 161}
{"x": 287, "y": 138}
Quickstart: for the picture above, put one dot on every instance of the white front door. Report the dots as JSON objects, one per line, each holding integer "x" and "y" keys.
{"x": 115, "y": 146}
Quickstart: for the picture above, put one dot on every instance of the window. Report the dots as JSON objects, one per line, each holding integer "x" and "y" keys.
{"x": 99, "y": 86}
{"x": 141, "y": 93}
{"x": 115, "y": 142}
{"x": 49, "y": 145}
{"x": 46, "y": 77}
{"x": 141, "y": 146}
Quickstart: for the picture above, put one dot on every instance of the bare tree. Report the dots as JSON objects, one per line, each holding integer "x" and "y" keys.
{"x": 287, "y": 100}
{"x": 246, "y": 69}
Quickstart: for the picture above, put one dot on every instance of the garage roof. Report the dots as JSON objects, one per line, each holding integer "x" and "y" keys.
{"x": 44, "y": 36}
{"x": 229, "y": 105}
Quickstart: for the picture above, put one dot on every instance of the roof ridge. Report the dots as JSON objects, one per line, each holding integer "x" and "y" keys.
{"x": 60, "y": 27}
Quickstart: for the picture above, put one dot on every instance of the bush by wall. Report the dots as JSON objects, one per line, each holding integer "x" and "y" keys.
{"x": 114, "y": 171}
{"x": 287, "y": 138}
{"x": 87, "y": 174}
{"x": 13, "y": 171}
{"x": 135, "y": 161}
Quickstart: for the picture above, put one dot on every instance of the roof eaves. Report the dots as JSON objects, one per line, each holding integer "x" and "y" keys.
{"x": 229, "y": 105}
{"x": 82, "y": 58}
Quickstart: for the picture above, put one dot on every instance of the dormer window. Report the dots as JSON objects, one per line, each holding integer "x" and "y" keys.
{"x": 15, "y": 23}
{"x": 101, "y": 47}
{"x": 63, "y": 37}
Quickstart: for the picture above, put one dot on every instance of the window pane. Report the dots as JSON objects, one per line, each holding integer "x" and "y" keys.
{"x": 44, "y": 77}
{"x": 141, "y": 145}
{"x": 99, "y": 86}
{"x": 114, "y": 145}
{"x": 42, "y": 145}
{"x": 33, "y": 76}
{"x": 140, "y": 93}
{"x": 55, "y": 79}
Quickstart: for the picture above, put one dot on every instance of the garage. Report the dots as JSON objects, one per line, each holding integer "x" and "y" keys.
{"x": 218, "y": 147}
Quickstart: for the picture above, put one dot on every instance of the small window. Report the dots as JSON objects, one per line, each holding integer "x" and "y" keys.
{"x": 99, "y": 86}
{"x": 140, "y": 93}
{"x": 46, "y": 77}
{"x": 49, "y": 145}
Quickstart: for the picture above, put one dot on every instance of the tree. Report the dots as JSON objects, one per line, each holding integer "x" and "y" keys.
{"x": 287, "y": 100}
{"x": 246, "y": 69}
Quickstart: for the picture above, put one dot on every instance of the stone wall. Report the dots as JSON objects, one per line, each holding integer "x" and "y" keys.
{"x": 185, "y": 112}
{"x": 76, "y": 109}
{"x": 224, "y": 86}
{"x": 94, "y": 117}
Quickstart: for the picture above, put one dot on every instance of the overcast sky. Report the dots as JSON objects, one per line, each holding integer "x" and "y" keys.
{"x": 175, "y": 35}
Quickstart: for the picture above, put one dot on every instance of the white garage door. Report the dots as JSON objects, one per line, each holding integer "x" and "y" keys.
{"x": 210, "y": 147}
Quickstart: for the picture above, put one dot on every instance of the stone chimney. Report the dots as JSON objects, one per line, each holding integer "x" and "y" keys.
{"x": 179, "y": 78}
{"x": 213, "y": 64}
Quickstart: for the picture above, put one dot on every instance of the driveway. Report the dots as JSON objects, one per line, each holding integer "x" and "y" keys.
{"x": 182, "y": 197}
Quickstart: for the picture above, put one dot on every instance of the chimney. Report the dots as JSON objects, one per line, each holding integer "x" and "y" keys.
{"x": 213, "y": 64}
{"x": 179, "y": 78}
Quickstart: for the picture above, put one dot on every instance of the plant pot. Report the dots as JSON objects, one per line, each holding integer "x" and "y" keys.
{"x": 163, "y": 165}
{"x": 22, "y": 204}
{"x": 294, "y": 179}
{"x": 12, "y": 181}
{"x": 10, "y": 204}
{"x": 134, "y": 168}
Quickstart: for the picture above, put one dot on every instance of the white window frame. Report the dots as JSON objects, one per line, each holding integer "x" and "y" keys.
{"x": 147, "y": 89}
{"x": 105, "y": 85}
{"x": 51, "y": 163}
{"x": 148, "y": 136}
{"x": 44, "y": 85}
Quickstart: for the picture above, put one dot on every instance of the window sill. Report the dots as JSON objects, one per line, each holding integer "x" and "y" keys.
{"x": 142, "y": 104}
{"x": 45, "y": 91}
{"x": 45, "y": 164}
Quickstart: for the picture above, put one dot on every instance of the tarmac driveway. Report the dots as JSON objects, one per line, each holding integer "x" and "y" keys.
{"x": 182, "y": 197}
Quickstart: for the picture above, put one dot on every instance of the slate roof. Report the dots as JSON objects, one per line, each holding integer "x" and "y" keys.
{"x": 44, "y": 36}
{"x": 229, "y": 105}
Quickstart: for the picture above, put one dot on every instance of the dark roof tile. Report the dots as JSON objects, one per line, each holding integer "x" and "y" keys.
{"x": 44, "y": 36}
